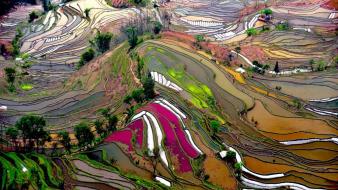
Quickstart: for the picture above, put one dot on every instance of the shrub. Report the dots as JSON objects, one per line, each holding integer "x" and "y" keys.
{"x": 148, "y": 87}
{"x": 32, "y": 16}
{"x": 102, "y": 41}
{"x": 131, "y": 32}
{"x": 16, "y": 43}
{"x": 215, "y": 126}
{"x": 86, "y": 57}
{"x": 199, "y": 38}
{"x": 282, "y": 26}
{"x": 266, "y": 11}
{"x": 251, "y": 32}
{"x": 138, "y": 95}
{"x": 83, "y": 134}
{"x": 231, "y": 155}
{"x": 157, "y": 27}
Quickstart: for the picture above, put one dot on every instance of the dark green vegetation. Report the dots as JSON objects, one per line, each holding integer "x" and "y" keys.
{"x": 23, "y": 171}
{"x": 230, "y": 100}
{"x": 83, "y": 134}
{"x": 102, "y": 41}
{"x": 86, "y": 57}
{"x": 32, "y": 131}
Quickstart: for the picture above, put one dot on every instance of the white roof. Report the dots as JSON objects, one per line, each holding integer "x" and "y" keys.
{"x": 240, "y": 70}
{"x": 3, "y": 108}
{"x": 164, "y": 181}
{"x": 223, "y": 153}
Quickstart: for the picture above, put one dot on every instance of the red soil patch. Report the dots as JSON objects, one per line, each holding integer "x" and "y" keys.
{"x": 120, "y": 3}
{"x": 254, "y": 53}
{"x": 179, "y": 36}
{"x": 250, "y": 9}
{"x": 8, "y": 48}
{"x": 220, "y": 53}
{"x": 331, "y": 4}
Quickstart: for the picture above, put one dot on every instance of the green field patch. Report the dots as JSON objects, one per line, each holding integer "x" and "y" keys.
{"x": 207, "y": 90}
{"x": 176, "y": 74}
{"x": 160, "y": 50}
{"x": 165, "y": 63}
{"x": 18, "y": 170}
{"x": 198, "y": 102}
{"x": 26, "y": 87}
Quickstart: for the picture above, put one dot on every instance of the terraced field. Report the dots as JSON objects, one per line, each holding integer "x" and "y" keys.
{"x": 189, "y": 94}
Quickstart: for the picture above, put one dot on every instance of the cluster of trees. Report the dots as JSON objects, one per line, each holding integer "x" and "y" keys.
{"x": 141, "y": 94}
{"x": 84, "y": 133}
{"x": 260, "y": 68}
{"x": 231, "y": 158}
{"x": 31, "y": 129}
{"x": 100, "y": 43}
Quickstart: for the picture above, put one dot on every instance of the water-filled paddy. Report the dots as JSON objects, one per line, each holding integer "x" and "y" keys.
{"x": 304, "y": 91}
{"x": 281, "y": 127}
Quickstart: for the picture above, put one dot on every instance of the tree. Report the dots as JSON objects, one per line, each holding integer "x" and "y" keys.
{"x": 238, "y": 168}
{"x": 267, "y": 11}
{"x": 16, "y": 42}
{"x": 127, "y": 99}
{"x": 32, "y": 128}
{"x": 276, "y": 69}
{"x": 131, "y": 32}
{"x": 32, "y": 16}
{"x": 321, "y": 65}
{"x": 148, "y": 86}
{"x": 46, "y": 5}
{"x": 251, "y": 31}
{"x": 297, "y": 103}
{"x": 157, "y": 27}
{"x": 86, "y": 57}
{"x": 65, "y": 140}
{"x": 13, "y": 133}
{"x": 86, "y": 11}
{"x": 10, "y": 77}
{"x": 140, "y": 65}
{"x": 215, "y": 126}
{"x": 99, "y": 127}
{"x": 138, "y": 95}
{"x": 312, "y": 63}
{"x": 199, "y": 38}
{"x": 83, "y": 134}
{"x": 238, "y": 50}
{"x": 112, "y": 122}
{"x": 105, "y": 112}
{"x": 230, "y": 155}
{"x": 10, "y": 74}
{"x": 102, "y": 41}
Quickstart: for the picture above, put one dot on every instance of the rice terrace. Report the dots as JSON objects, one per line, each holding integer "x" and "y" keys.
{"x": 169, "y": 94}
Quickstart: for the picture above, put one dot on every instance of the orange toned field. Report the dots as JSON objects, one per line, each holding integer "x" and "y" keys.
{"x": 261, "y": 167}
{"x": 282, "y": 126}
